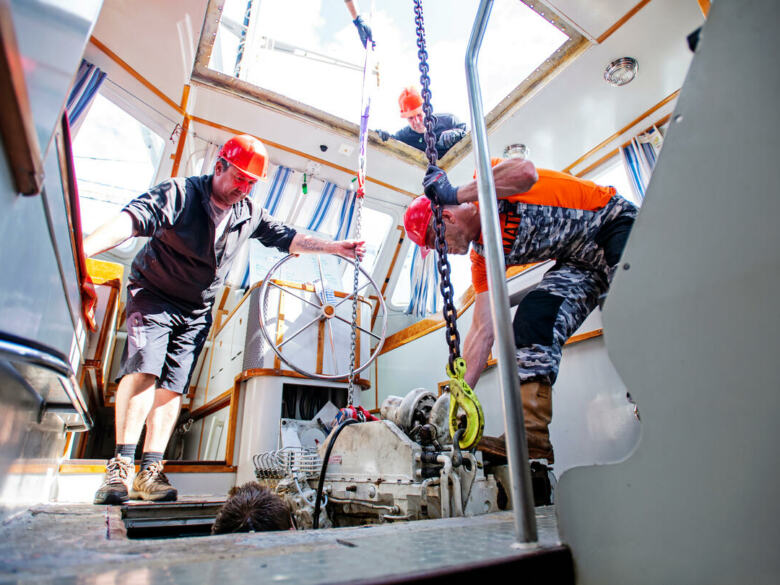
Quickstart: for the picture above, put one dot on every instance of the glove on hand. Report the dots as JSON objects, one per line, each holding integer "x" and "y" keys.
{"x": 449, "y": 138}
{"x": 438, "y": 188}
{"x": 385, "y": 136}
{"x": 364, "y": 31}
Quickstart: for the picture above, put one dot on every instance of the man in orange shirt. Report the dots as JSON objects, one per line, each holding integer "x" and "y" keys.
{"x": 543, "y": 215}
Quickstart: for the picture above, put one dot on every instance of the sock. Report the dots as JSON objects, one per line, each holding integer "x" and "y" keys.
{"x": 150, "y": 457}
{"x": 127, "y": 451}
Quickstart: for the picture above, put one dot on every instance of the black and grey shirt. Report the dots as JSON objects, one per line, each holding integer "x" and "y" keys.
{"x": 181, "y": 261}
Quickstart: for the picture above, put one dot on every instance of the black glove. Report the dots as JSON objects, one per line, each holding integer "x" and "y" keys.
{"x": 385, "y": 136}
{"x": 449, "y": 138}
{"x": 364, "y": 31}
{"x": 438, "y": 188}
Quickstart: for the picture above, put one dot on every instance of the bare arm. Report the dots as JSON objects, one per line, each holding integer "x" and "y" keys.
{"x": 479, "y": 339}
{"x": 353, "y": 9}
{"x": 511, "y": 176}
{"x": 303, "y": 244}
{"x": 109, "y": 235}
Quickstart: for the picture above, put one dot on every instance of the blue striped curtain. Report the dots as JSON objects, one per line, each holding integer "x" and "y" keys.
{"x": 346, "y": 216}
{"x": 277, "y": 189}
{"x": 639, "y": 157}
{"x": 323, "y": 205}
{"x": 88, "y": 81}
{"x": 423, "y": 284}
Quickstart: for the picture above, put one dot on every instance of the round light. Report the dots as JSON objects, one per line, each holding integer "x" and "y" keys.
{"x": 516, "y": 151}
{"x": 621, "y": 71}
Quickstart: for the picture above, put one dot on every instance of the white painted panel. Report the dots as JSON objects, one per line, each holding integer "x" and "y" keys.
{"x": 592, "y": 16}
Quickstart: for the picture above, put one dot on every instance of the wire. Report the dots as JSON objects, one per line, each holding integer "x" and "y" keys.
{"x": 321, "y": 482}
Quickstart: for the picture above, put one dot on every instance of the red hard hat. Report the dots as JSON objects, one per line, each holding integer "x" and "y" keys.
{"x": 410, "y": 102}
{"x": 416, "y": 221}
{"x": 248, "y": 155}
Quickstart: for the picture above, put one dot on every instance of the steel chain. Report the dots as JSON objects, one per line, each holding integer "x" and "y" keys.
{"x": 356, "y": 262}
{"x": 445, "y": 285}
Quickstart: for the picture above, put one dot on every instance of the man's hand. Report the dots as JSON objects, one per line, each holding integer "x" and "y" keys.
{"x": 449, "y": 138}
{"x": 385, "y": 136}
{"x": 364, "y": 31}
{"x": 350, "y": 248}
{"x": 438, "y": 188}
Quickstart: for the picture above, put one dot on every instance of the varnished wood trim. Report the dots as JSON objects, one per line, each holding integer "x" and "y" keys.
{"x": 705, "y": 7}
{"x": 320, "y": 344}
{"x": 85, "y": 466}
{"x": 185, "y": 97}
{"x": 17, "y": 125}
{"x": 583, "y": 336}
{"x": 262, "y": 372}
{"x": 310, "y": 157}
{"x": 185, "y": 126}
{"x": 615, "y": 152}
{"x": 626, "y": 17}
{"x": 232, "y": 424}
{"x": 133, "y": 73}
{"x": 622, "y": 131}
{"x": 395, "y": 257}
{"x": 212, "y": 406}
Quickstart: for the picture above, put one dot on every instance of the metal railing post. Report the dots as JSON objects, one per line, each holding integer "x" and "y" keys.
{"x": 517, "y": 450}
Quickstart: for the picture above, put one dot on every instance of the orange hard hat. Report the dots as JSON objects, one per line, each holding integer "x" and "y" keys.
{"x": 410, "y": 102}
{"x": 416, "y": 220}
{"x": 248, "y": 155}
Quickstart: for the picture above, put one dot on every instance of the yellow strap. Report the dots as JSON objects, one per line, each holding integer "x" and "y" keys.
{"x": 463, "y": 397}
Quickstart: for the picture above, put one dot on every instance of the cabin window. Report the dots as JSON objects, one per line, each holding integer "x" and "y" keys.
{"x": 116, "y": 159}
{"x": 613, "y": 173}
{"x": 308, "y": 54}
{"x": 460, "y": 276}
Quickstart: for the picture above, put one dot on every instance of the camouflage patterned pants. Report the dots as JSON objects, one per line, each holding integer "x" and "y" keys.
{"x": 587, "y": 246}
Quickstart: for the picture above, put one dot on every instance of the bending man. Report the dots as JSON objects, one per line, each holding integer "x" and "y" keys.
{"x": 196, "y": 227}
{"x": 544, "y": 215}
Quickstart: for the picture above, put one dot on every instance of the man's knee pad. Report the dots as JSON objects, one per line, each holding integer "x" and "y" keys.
{"x": 534, "y": 321}
{"x": 612, "y": 238}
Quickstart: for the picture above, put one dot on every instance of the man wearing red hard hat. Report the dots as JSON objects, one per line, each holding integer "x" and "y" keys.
{"x": 196, "y": 226}
{"x": 544, "y": 215}
{"x": 447, "y": 129}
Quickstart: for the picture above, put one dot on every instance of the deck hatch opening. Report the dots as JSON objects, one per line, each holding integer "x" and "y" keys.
{"x": 169, "y": 519}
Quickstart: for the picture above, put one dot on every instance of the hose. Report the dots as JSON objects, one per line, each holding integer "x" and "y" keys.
{"x": 321, "y": 482}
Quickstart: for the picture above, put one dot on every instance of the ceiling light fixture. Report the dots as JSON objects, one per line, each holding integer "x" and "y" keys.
{"x": 516, "y": 151}
{"x": 621, "y": 71}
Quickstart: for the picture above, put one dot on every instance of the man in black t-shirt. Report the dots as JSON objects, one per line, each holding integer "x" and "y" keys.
{"x": 196, "y": 227}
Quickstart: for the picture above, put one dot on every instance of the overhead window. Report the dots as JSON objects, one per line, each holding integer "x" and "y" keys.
{"x": 315, "y": 57}
{"x": 613, "y": 174}
{"x": 116, "y": 159}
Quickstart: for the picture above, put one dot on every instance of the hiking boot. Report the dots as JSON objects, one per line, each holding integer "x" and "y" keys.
{"x": 537, "y": 412}
{"x": 151, "y": 485}
{"x": 116, "y": 482}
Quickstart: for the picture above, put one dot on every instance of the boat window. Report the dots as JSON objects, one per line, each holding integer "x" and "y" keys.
{"x": 116, "y": 159}
{"x": 460, "y": 276}
{"x": 315, "y": 57}
{"x": 613, "y": 173}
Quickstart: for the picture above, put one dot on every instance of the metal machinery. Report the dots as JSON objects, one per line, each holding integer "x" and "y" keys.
{"x": 403, "y": 467}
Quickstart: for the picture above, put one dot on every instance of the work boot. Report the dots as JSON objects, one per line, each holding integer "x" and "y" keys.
{"x": 116, "y": 482}
{"x": 152, "y": 485}
{"x": 537, "y": 412}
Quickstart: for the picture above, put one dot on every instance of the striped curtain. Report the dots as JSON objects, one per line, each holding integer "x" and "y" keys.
{"x": 639, "y": 156}
{"x": 423, "y": 284}
{"x": 88, "y": 81}
{"x": 276, "y": 190}
{"x": 323, "y": 205}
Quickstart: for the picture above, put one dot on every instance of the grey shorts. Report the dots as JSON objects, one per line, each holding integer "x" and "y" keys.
{"x": 162, "y": 340}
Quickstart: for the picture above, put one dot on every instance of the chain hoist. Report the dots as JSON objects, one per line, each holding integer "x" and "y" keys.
{"x": 461, "y": 395}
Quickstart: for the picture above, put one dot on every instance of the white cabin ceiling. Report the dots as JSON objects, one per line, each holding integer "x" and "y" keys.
{"x": 593, "y": 17}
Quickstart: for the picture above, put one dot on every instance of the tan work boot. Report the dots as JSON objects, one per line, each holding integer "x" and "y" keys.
{"x": 116, "y": 482}
{"x": 537, "y": 412}
{"x": 151, "y": 485}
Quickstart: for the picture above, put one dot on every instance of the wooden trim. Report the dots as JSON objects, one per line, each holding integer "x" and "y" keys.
{"x": 262, "y": 372}
{"x": 83, "y": 466}
{"x": 180, "y": 146}
{"x": 310, "y": 157}
{"x": 583, "y": 336}
{"x": 660, "y": 122}
{"x": 320, "y": 344}
{"x": 622, "y": 131}
{"x": 105, "y": 273}
{"x": 626, "y": 17}
{"x": 705, "y": 7}
{"x": 185, "y": 97}
{"x": 133, "y": 73}
{"x": 401, "y": 239}
{"x": 212, "y": 406}
{"x": 17, "y": 125}
{"x": 232, "y": 424}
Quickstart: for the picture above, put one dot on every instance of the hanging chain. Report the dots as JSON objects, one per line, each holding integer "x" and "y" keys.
{"x": 442, "y": 263}
{"x": 352, "y": 356}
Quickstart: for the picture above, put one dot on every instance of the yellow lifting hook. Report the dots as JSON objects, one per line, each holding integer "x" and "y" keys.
{"x": 462, "y": 396}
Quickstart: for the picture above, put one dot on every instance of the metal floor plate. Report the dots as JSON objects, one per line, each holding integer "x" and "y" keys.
{"x": 84, "y": 544}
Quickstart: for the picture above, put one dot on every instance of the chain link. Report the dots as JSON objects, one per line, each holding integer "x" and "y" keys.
{"x": 356, "y": 262}
{"x": 442, "y": 263}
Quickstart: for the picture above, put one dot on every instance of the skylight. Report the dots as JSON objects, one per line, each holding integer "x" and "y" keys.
{"x": 308, "y": 50}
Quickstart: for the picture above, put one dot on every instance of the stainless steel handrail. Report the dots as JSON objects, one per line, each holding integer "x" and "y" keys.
{"x": 18, "y": 353}
{"x": 517, "y": 450}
